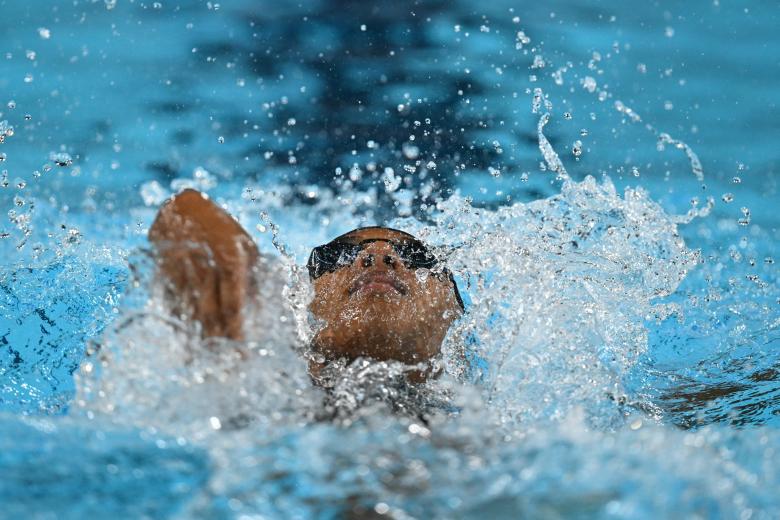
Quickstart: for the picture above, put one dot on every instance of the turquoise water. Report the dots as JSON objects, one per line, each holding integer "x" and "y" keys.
{"x": 618, "y": 262}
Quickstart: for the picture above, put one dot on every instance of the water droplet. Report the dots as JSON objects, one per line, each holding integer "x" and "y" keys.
{"x": 745, "y": 220}
{"x": 61, "y": 159}
{"x": 522, "y": 39}
{"x": 589, "y": 84}
{"x": 410, "y": 151}
{"x": 153, "y": 193}
{"x": 576, "y": 148}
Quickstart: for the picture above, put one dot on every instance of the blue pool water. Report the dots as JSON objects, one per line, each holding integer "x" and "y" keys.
{"x": 618, "y": 262}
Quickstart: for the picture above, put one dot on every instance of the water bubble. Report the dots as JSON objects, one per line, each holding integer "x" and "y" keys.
{"x": 495, "y": 172}
{"x": 567, "y": 115}
{"x": 30, "y": 55}
{"x": 2, "y": 157}
{"x": 157, "y": 5}
{"x": 431, "y": 165}
{"x": 12, "y": 104}
{"x": 727, "y": 197}
{"x": 363, "y": 27}
{"x": 110, "y": 4}
{"x": 736, "y": 180}
{"x": 44, "y": 33}
{"x": 220, "y": 139}
{"x": 583, "y": 132}
{"x": 28, "y": 78}
{"x": 635, "y": 171}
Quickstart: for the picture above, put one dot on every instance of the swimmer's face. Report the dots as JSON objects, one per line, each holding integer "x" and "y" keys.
{"x": 377, "y": 305}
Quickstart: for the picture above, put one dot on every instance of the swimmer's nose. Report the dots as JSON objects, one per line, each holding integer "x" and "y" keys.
{"x": 388, "y": 260}
{"x": 371, "y": 256}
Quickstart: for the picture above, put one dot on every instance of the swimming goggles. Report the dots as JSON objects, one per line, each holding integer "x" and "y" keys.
{"x": 344, "y": 250}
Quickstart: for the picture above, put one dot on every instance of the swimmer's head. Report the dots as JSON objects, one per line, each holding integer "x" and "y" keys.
{"x": 380, "y": 293}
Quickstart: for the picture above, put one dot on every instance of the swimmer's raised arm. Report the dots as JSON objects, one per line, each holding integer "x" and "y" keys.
{"x": 207, "y": 261}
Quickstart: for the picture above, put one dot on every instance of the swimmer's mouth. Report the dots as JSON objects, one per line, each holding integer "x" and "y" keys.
{"x": 378, "y": 281}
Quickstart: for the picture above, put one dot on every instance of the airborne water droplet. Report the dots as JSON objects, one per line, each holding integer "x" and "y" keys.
{"x": 576, "y": 149}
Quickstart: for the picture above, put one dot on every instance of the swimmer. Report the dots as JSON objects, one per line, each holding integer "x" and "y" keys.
{"x": 367, "y": 294}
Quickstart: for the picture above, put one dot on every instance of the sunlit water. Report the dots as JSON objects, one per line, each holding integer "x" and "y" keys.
{"x": 600, "y": 181}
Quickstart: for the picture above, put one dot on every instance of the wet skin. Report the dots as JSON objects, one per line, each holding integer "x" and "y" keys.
{"x": 375, "y": 307}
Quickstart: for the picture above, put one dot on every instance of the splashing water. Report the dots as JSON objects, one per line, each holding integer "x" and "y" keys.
{"x": 605, "y": 368}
